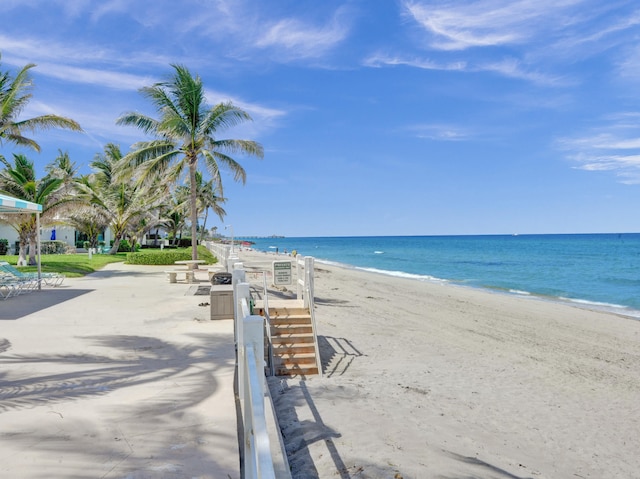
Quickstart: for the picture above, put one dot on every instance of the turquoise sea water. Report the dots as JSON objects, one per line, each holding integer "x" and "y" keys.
{"x": 599, "y": 270}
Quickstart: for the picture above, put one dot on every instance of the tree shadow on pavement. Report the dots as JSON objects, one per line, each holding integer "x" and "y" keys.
{"x": 150, "y": 427}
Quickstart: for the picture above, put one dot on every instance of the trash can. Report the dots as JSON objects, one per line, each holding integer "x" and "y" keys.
{"x": 221, "y": 278}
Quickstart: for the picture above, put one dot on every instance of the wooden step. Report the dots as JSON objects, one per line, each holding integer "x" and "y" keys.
{"x": 286, "y": 312}
{"x": 299, "y": 358}
{"x": 288, "y": 329}
{"x": 300, "y": 348}
{"x": 292, "y": 339}
{"x": 297, "y": 319}
{"x": 296, "y": 371}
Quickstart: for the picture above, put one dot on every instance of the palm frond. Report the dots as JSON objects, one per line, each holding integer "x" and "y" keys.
{"x": 147, "y": 124}
{"x": 46, "y": 122}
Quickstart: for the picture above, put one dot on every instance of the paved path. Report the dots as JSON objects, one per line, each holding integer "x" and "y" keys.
{"x": 116, "y": 375}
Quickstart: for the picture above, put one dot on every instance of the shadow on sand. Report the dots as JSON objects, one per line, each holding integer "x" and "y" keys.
{"x": 336, "y": 355}
{"x": 299, "y": 435}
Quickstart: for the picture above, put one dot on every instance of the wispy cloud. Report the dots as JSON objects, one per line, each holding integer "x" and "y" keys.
{"x": 614, "y": 148}
{"x": 110, "y": 79}
{"x": 528, "y": 40}
{"x": 298, "y": 39}
{"x": 440, "y": 132}
{"x": 509, "y": 67}
{"x": 464, "y": 24}
{"x": 380, "y": 59}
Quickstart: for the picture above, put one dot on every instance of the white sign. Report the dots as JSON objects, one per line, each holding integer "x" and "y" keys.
{"x": 281, "y": 272}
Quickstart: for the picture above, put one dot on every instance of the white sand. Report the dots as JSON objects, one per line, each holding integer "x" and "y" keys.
{"x": 426, "y": 380}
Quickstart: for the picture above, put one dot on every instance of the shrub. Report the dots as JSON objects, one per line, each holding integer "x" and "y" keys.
{"x": 125, "y": 246}
{"x": 53, "y": 247}
{"x": 164, "y": 257}
{"x": 4, "y": 246}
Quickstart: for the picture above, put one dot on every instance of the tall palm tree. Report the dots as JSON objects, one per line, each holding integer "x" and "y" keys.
{"x": 19, "y": 180}
{"x": 186, "y": 132}
{"x": 14, "y": 96}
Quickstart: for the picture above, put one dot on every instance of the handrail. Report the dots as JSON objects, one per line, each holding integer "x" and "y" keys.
{"x": 258, "y": 460}
{"x": 272, "y": 369}
{"x": 309, "y": 287}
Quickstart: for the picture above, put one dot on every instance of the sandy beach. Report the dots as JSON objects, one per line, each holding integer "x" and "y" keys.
{"x": 428, "y": 380}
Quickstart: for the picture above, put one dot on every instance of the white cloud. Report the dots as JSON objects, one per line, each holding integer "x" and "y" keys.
{"x": 379, "y": 59}
{"x": 97, "y": 77}
{"x": 511, "y": 68}
{"x": 294, "y": 38}
{"x": 464, "y": 24}
{"x": 264, "y": 118}
{"x": 523, "y": 39}
{"x": 440, "y": 132}
{"x": 615, "y": 148}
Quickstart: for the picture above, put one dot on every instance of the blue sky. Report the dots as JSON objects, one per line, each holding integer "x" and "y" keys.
{"x": 405, "y": 117}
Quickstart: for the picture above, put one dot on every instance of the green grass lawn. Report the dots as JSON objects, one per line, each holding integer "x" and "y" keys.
{"x": 75, "y": 265}
{"x": 71, "y": 265}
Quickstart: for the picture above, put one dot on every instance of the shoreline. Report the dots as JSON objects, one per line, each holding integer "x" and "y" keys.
{"x": 591, "y": 268}
{"x": 610, "y": 308}
{"x": 431, "y": 380}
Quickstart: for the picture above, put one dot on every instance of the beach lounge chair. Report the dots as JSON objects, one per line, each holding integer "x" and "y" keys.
{"x": 50, "y": 279}
{"x": 8, "y": 286}
{"x": 11, "y": 285}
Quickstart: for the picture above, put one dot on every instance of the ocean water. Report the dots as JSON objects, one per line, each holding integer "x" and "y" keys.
{"x": 597, "y": 270}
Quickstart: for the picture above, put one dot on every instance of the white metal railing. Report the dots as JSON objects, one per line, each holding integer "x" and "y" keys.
{"x": 220, "y": 251}
{"x": 258, "y": 463}
{"x": 272, "y": 370}
{"x": 259, "y": 460}
{"x": 305, "y": 291}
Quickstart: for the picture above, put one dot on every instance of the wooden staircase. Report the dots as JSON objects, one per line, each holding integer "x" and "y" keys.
{"x": 292, "y": 339}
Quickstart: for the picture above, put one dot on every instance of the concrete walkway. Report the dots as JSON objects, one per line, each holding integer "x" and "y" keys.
{"x": 116, "y": 375}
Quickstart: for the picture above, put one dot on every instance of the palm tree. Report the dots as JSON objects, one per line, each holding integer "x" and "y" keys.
{"x": 186, "y": 134}
{"x": 19, "y": 180}
{"x": 14, "y": 96}
{"x": 176, "y": 217}
{"x": 90, "y": 220}
{"x": 128, "y": 206}
{"x": 208, "y": 199}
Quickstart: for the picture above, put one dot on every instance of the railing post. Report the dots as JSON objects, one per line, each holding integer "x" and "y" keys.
{"x": 308, "y": 281}
{"x": 242, "y": 292}
{"x": 299, "y": 277}
{"x": 253, "y": 335}
{"x": 238, "y": 276}
{"x": 231, "y": 260}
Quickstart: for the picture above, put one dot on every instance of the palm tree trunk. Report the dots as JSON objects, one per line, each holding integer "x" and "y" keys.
{"x": 32, "y": 251}
{"x": 194, "y": 210}
{"x": 204, "y": 224}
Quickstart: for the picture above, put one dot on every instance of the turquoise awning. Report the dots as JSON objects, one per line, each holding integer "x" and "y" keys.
{"x": 9, "y": 204}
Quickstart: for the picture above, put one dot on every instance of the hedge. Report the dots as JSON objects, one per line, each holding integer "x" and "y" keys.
{"x": 165, "y": 257}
